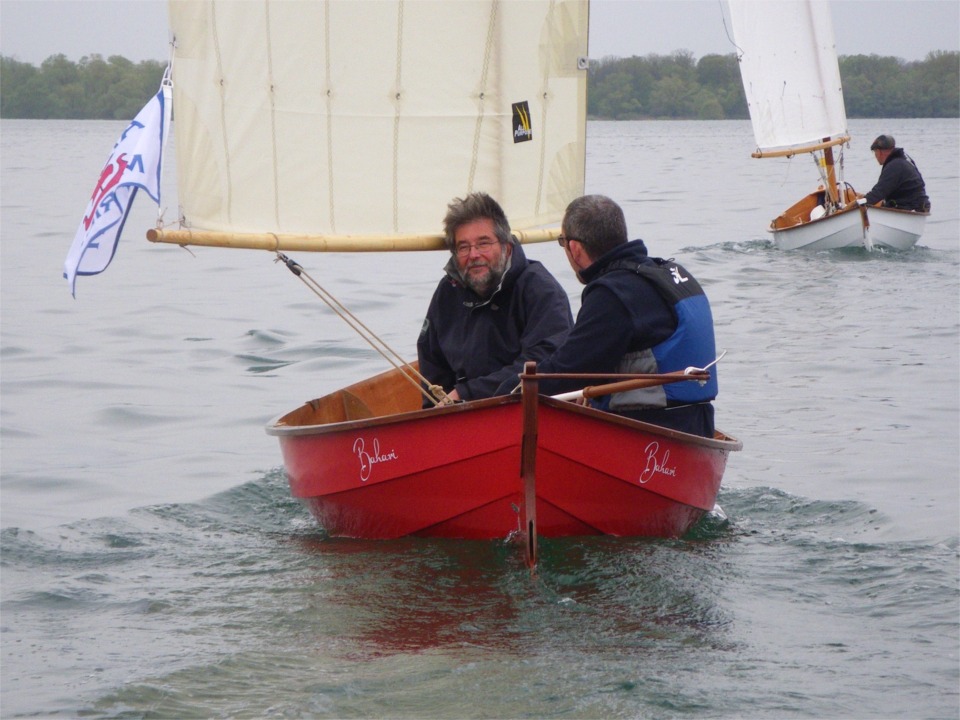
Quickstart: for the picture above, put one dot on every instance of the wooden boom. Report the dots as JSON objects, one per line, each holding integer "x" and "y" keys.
{"x": 790, "y": 152}
{"x": 323, "y": 243}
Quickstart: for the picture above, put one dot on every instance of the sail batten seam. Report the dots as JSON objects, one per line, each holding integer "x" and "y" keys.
{"x": 228, "y": 185}
{"x": 273, "y": 115}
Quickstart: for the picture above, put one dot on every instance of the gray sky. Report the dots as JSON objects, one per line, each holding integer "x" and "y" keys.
{"x": 32, "y": 30}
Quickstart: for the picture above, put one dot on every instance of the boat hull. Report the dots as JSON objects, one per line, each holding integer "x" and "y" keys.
{"x": 833, "y": 232}
{"x": 855, "y": 226}
{"x": 454, "y": 472}
{"x": 798, "y": 227}
{"x": 895, "y": 229}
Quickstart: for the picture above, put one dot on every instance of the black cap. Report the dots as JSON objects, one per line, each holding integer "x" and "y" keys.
{"x": 884, "y": 142}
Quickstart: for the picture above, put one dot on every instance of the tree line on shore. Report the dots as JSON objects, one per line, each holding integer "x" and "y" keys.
{"x": 678, "y": 87}
{"x": 93, "y": 89}
{"x": 672, "y": 86}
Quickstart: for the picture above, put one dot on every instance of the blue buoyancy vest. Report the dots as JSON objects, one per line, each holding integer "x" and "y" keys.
{"x": 691, "y": 344}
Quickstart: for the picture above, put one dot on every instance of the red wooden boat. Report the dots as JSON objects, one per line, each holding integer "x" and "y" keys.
{"x": 294, "y": 133}
{"x": 369, "y": 463}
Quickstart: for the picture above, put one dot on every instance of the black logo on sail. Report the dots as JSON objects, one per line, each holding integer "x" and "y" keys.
{"x": 522, "y": 131}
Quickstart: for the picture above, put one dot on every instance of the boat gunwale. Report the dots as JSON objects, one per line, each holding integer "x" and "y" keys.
{"x": 726, "y": 442}
{"x": 276, "y": 427}
{"x": 899, "y": 211}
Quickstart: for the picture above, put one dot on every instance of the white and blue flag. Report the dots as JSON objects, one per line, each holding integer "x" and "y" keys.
{"x": 135, "y": 163}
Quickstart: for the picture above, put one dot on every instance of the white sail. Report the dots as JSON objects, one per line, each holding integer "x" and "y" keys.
{"x": 342, "y": 117}
{"x": 788, "y": 63}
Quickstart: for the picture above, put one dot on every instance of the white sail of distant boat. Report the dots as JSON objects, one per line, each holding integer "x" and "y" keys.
{"x": 790, "y": 73}
{"x": 791, "y": 79}
{"x": 351, "y": 125}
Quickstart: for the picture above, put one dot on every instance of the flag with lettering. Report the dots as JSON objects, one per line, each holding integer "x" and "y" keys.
{"x": 135, "y": 164}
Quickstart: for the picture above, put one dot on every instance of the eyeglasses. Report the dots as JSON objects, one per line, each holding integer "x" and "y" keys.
{"x": 483, "y": 247}
{"x": 563, "y": 240}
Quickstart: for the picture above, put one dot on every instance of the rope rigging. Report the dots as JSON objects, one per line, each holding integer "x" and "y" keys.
{"x": 436, "y": 394}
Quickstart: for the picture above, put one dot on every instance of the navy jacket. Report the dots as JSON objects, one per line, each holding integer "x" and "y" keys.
{"x": 477, "y": 345}
{"x": 900, "y": 184}
{"x": 630, "y": 321}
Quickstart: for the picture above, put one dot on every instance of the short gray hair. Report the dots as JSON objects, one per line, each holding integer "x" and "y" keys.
{"x": 597, "y": 222}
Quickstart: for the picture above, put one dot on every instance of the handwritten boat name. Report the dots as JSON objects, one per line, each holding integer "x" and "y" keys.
{"x": 369, "y": 459}
{"x": 656, "y": 464}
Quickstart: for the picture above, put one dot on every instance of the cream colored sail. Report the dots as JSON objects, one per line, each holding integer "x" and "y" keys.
{"x": 347, "y": 118}
{"x": 788, "y": 63}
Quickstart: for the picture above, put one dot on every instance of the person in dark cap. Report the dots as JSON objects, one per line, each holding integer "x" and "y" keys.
{"x": 900, "y": 184}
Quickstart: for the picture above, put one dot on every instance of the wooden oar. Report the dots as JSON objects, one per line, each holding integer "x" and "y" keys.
{"x": 592, "y": 391}
{"x": 632, "y": 382}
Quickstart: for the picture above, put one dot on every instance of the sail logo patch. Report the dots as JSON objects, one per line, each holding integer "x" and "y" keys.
{"x": 677, "y": 277}
{"x": 522, "y": 130}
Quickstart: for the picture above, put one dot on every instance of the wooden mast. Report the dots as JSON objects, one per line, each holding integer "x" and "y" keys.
{"x": 831, "y": 169}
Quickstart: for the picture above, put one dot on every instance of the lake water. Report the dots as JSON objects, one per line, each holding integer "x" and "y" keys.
{"x": 154, "y": 564}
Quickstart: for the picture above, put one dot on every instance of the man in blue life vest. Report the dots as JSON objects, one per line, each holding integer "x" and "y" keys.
{"x": 493, "y": 310}
{"x": 637, "y": 315}
{"x": 900, "y": 184}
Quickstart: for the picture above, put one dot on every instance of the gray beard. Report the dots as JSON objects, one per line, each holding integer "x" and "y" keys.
{"x": 486, "y": 287}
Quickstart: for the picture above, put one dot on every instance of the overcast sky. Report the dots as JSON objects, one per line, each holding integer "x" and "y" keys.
{"x": 33, "y": 30}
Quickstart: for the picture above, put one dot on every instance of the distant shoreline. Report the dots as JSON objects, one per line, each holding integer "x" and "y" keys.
{"x": 655, "y": 87}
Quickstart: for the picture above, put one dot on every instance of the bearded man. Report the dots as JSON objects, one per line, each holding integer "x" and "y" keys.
{"x": 493, "y": 310}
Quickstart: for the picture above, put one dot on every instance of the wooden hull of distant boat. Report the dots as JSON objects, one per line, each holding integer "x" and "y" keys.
{"x": 369, "y": 463}
{"x": 895, "y": 229}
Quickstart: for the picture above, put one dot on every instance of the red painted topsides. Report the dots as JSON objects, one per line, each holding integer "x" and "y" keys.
{"x": 370, "y": 464}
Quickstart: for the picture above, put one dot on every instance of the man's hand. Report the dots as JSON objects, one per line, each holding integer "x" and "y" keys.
{"x": 451, "y": 397}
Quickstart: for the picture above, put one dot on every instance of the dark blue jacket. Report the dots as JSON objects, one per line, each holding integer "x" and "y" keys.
{"x": 477, "y": 345}
{"x": 900, "y": 184}
{"x": 642, "y": 315}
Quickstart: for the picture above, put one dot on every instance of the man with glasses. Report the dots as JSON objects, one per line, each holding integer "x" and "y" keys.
{"x": 638, "y": 314}
{"x": 493, "y": 310}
